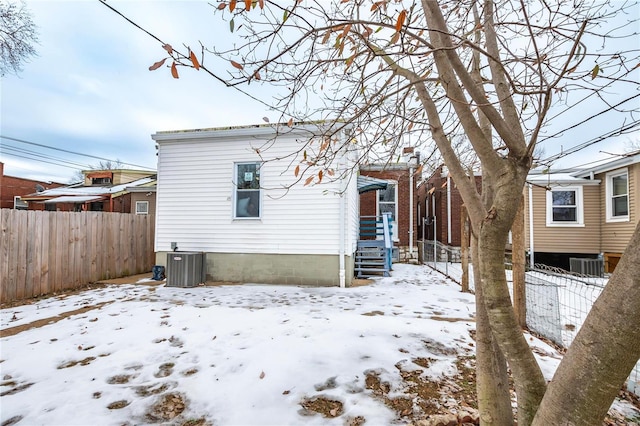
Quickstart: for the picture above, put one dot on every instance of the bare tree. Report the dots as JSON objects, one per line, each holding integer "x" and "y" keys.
{"x": 476, "y": 74}
{"x": 17, "y": 36}
{"x": 78, "y": 176}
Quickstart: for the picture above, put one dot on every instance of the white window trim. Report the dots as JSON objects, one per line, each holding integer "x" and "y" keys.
{"x": 17, "y": 200}
{"x": 579, "y": 207}
{"x": 141, "y": 203}
{"x": 395, "y": 237}
{"x": 235, "y": 192}
{"x": 609, "y": 194}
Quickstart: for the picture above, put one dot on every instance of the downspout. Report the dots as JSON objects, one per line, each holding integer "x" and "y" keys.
{"x": 531, "y": 257}
{"x": 342, "y": 227}
{"x": 435, "y": 229}
{"x": 448, "y": 209}
{"x": 410, "y": 212}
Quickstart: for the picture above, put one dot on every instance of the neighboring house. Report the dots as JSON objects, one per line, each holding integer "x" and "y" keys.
{"x": 13, "y": 188}
{"x": 586, "y": 213}
{"x": 121, "y": 191}
{"x": 439, "y": 208}
{"x": 399, "y": 198}
{"x": 233, "y": 194}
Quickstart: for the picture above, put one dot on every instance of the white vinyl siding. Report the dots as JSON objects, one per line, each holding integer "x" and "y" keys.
{"x": 195, "y": 200}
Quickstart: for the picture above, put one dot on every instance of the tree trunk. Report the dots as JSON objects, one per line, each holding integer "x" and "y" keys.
{"x": 597, "y": 363}
{"x": 518, "y": 266}
{"x": 527, "y": 377}
{"x": 492, "y": 380}
{"x": 464, "y": 248}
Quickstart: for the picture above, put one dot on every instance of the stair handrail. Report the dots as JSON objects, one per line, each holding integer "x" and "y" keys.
{"x": 386, "y": 236}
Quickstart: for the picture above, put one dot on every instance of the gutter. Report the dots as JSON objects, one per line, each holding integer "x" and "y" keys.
{"x": 448, "y": 209}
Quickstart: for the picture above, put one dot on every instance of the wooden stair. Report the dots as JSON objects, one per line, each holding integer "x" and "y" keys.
{"x": 373, "y": 255}
{"x": 371, "y": 259}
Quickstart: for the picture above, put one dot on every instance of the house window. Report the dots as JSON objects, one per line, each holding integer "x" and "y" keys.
{"x": 387, "y": 204}
{"x": 101, "y": 181}
{"x": 142, "y": 207}
{"x": 617, "y": 193}
{"x": 247, "y": 190}
{"x": 564, "y": 206}
{"x": 19, "y": 204}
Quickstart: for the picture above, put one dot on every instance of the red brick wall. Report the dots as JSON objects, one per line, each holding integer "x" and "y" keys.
{"x": 440, "y": 193}
{"x": 368, "y": 201}
{"x": 11, "y": 186}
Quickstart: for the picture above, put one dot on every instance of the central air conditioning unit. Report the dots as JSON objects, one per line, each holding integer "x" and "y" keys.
{"x": 186, "y": 269}
{"x": 590, "y": 267}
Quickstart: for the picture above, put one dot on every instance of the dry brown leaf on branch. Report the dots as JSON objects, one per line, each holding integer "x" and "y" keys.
{"x": 194, "y": 60}
{"x": 157, "y": 65}
{"x": 174, "y": 70}
{"x": 400, "y": 21}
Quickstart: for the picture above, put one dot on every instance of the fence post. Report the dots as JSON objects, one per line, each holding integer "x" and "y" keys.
{"x": 518, "y": 260}
{"x": 464, "y": 248}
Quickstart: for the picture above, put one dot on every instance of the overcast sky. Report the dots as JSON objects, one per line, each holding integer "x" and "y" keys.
{"x": 89, "y": 89}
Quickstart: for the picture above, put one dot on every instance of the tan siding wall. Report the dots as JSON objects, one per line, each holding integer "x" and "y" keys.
{"x": 142, "y": 196}
{"x": 616, "y": 235}
{"x": 570, "y": 239}
{"x": 120, "y": 177}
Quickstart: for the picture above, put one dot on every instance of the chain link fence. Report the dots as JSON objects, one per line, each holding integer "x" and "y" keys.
{"x": 558, "y": 301}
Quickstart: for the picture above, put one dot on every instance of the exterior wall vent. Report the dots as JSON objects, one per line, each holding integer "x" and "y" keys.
{"x": 186, "y": 269}
{"x": 591, "y": 267}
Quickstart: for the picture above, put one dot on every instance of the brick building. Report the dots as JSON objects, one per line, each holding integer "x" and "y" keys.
{"x": 12, "y": 188}
{"x": 118, "y": 191}
{"x": 439, "y": 198}
{"x": 396, "y": 199}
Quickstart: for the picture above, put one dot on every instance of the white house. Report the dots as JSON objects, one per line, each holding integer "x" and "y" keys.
{"x": 233, "y": 194}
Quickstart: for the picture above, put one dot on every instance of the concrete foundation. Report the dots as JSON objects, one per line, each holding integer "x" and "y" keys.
{"x": 294, "y": 269}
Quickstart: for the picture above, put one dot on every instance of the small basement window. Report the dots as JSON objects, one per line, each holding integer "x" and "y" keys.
{"x": 142, "y": 207}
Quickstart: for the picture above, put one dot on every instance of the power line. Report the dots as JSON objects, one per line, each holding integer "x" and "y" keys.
{"x": 589, "y": 118}
{"x": 594, "y": 141}
{"x": 72, "y": 152}
{"x": 4, "y": 148}
{"x": 43, "y": 161}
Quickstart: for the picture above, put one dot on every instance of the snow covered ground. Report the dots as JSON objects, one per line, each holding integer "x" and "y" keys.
{"x": 233, "y": 355}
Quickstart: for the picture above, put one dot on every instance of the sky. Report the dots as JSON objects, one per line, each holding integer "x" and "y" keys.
{"x": 89, "y": 90}
{"x": 238, "y": 355}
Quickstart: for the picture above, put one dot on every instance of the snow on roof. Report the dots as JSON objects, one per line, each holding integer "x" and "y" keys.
{"x": 559, "y": 178}
{"x": 73, "y": 199}
{"x": 92, "y": 190}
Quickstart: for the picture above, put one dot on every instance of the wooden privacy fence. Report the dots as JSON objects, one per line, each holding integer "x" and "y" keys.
{"x": 44, "y": 252}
